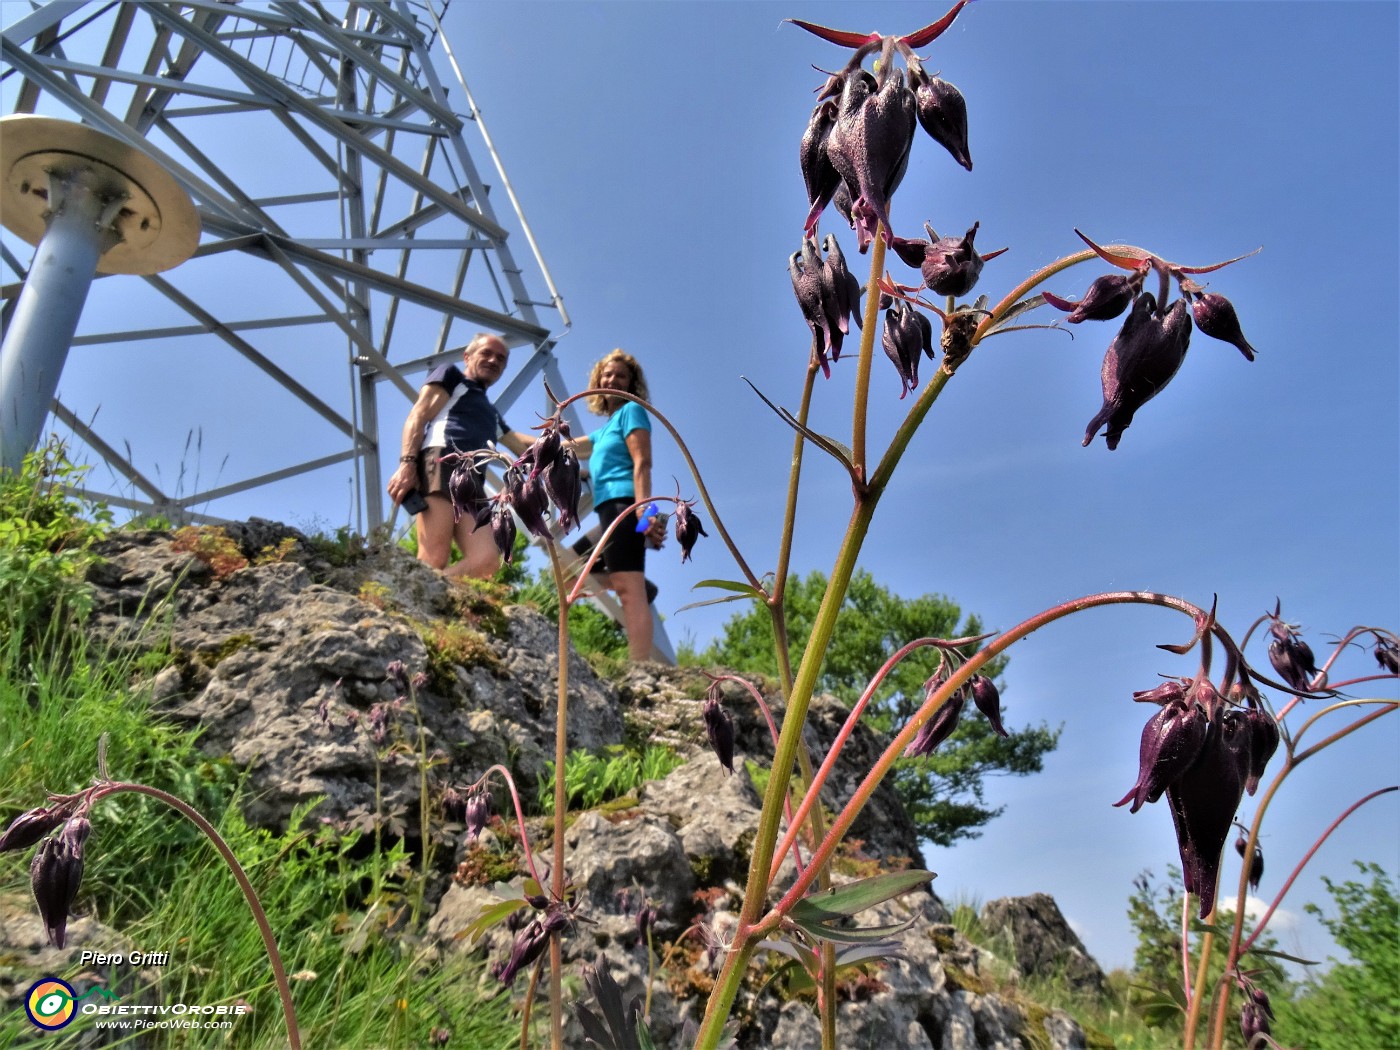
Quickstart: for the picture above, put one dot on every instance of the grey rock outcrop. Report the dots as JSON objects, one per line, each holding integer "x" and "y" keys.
{"x": 282, "y": 665}
{"x": 1042, "y": 942}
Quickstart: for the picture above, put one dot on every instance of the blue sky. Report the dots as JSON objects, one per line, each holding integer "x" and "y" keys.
{"x": 654, "y": 148}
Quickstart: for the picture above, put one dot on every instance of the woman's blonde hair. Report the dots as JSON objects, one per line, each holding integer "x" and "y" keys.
{"x": 598, "y": 402}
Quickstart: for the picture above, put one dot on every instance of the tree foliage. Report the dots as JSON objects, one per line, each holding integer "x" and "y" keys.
{"x": 944, "y": 791}
{"x": 1356, "y": 1003}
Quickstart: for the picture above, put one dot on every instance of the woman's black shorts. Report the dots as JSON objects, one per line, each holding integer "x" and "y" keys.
{"x": 626, "y": 548}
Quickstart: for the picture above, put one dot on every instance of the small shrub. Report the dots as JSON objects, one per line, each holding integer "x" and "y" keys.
{"x": 213, "y": 546}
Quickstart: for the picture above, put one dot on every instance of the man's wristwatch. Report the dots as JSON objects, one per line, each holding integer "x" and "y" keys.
{"x": 408, "y": 459}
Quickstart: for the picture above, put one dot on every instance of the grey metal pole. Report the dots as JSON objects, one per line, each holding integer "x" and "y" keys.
{"x": 89, "y": 203}
{"x": 80, "y": 229}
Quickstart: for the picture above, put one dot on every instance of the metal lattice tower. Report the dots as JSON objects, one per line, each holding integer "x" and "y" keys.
{"x": 349, "y": 239}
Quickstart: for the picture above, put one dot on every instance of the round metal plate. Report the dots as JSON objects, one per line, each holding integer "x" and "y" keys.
{"x": 158, "y": 223}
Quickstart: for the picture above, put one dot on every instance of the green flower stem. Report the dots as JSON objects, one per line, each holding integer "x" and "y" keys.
{"x": 727, "y": 984}
{"x": 561, "y": 800}
{"x": 694, "y": 472}
{"x": 777, "y": 608}
{"x": 622, "y": 518}
{"x": 279, "y": 972}
{"x": 519, "y": 818}
{"x": 780, "y": 576}
{"x": 867, "y": 349}
{"x": 936, "y": 700}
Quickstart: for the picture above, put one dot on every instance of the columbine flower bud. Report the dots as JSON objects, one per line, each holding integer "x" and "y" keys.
{"x": 949, "y": 265}
{"x": 55, "y": 874}
{"x": 809, "y": 285}
{"x": 1292, "y": 657}
{"x": 1256, "y": 864}
{"x": 988, "y": 701}
{"x": 719, "y": 727}
{"x": 907, "y": 332}
{"x": 1104, "y": 300}
{"x": 940, "y": 727}
{"x": 1387, "y": 655}
{"x": 1215, "y": 316}
{"x": 478, "y": 812}
{"x": 869, "y": 144}
{"x": 688, "y": 528}
{"x": 29, "y": 827}
{"x": 1141, "y": 360}
{"x": 942, "y": 112}
{"x": 646, "y": 920}
{"x": 1255, "y": 1015}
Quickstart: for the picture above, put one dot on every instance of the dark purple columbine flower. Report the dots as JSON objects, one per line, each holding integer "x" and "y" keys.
{"x": 813, "y": 288}
{"x": 1171, "y": 742}
{"x": 478, "y": 812}
{"x": 869, "y": 144}
{"x": 818, "y": 173}
{"x": 939, "y": 727}
{"x": 496, "y": 510}
{"x": 1141, "y": 360}
{"x": 1255, "y": 1015}
{"x": 1263, "y": 742}
{"x": 55, "y": 874}
{"x": 561, "y": 482}
{"x": 528, "y": 497}
{"x": 1387, "y": 654}
{"x": 440, "y": 1037}
{"x": 949, "y": 265}
{"x": 907, "y": 333}
{"x": 646, "y": 920}
{"x": 845, "y": 290}
{"x": 1291, "y": 656}
{"x": 29, "y": 827}
{"x": 531, "y": 941}
{"x": 1215, "y": 316}
{"x": 988, "y": 701}
{"x": 465, "y": 489}
{"x": 688, "y": 528}
{"x": 1203, "y": 801}
{"x": 397, "y": 673}
{"x": 942, "y": 112}
{"x": 1105, "y": 299}
{"x": 1256, "y": 864}
{"x": 719, "y": 727}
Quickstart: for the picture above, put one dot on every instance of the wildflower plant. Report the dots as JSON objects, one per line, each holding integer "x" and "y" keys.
{"x": 1215, "y": 732}
{"x": 1228, "y": 730}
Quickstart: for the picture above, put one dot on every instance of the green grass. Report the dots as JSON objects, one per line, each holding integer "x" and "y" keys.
{"x": 363, "y": 979}
{"x": 590, "y": 780}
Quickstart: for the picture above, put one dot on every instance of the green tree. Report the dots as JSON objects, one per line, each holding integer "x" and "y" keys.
{"x": 944, "y": 791}
{"x": 1154, "y": 911}
{"x": 1356, "y": 1003}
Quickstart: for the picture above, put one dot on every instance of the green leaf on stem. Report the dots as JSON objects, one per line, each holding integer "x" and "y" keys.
{"x": 1272, "y": 954}
{"x": 831, "y": 446}
{"x": 827, "y": 930}
{"x": 731, "y": 585}
{"x": 854, "y": 897}
{"x": 496, "y": 913}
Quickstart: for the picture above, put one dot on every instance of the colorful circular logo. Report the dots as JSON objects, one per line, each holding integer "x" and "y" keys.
{"x": 49, "y": 1003}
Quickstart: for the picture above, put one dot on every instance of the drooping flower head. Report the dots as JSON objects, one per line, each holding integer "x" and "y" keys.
{"x": 719, "y": 728}
{"x": 688, "y": 528}
{"x": 941, "y": 725}
{"x": 1292, "y": 657}
{"x": 1147, "y": 351}
{"x": 907, "y": 334}
{"x": 859, "y": 135}
{"x": 1215, "y": 316}
{"x": 55, "y": 873}
{"x": 1105, "y": 299}
{"x": 948, "y": 265}
{"x": 988, "y": 701}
